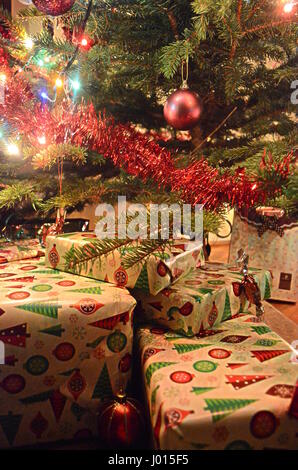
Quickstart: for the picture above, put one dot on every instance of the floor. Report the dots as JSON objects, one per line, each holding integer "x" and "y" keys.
{"x": 220, "y": 253}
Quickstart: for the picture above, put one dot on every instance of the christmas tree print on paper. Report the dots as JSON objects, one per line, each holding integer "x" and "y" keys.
{"x": 261, "y": 330}
{"x": 103, "y": 387}
{"x": 153, "y": 400}
{"x": 10, "y": 424}
{"x": 235, "y": 365}
{"x": 154, "y": 367}
{"x": 48, "y": 272}
{"x": 267, "y": 293}
{"x": 110, "y": 323}
{"x": 42, "y": 308}
{"x": 88, "y": 290}
{"x": 55, "y": 330}
{"x": 184, "y": 348}
{"x": 15, "y": 335}
{"x": 264, "y": 355}
{"x": 240, "y": 381}
{"x": 37, "y": 398}
{"x": 142, "y": 281}
{"x": 200, "y": 390}
{"x": 223, "y": 407}
{"x": 227, "y": 313}
{"x": 96, "y": 342}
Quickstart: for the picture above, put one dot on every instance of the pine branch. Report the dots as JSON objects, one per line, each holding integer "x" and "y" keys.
{"x": 78, "y": 258}
{"x": 16, "y": 194}
{"x": 142, "y": 251}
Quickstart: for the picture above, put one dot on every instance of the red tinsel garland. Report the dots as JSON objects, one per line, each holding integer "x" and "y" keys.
{"x": 136, "y": 153}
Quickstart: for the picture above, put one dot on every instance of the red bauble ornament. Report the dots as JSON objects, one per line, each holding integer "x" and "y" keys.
{"x": 53, "y": 7}
{"x": 121, "y": 423}
{"x": 183, "y": 109}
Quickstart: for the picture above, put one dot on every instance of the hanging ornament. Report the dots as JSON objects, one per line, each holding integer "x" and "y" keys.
{"x": 53, "y": 7}
{"x": 183, "y": 108}
{"x": 121, "y": 423}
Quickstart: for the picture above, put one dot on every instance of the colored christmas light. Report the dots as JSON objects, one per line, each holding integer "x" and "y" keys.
{"x": 59, "y": 83}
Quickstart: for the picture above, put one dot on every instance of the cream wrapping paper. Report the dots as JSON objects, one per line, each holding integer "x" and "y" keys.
{"x": 68, "y": 346}
{"x": 270, "y": 251}
{"x": 231, "y": 388}
{"x": 203, "y": 298}
{"x": 157, "y": 272}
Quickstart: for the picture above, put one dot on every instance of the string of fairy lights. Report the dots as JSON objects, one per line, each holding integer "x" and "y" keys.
{"x": 70, "y": 85}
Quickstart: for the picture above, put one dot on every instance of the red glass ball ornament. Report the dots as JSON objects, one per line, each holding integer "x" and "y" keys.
{"x": 183, "y": 109}
{"x": 53, "y": 7}
{"x": 121, "y": 423}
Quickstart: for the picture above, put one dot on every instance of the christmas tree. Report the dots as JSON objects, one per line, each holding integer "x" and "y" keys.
{"x": 126, "y": 58}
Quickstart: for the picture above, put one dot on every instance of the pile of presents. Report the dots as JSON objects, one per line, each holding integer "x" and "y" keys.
{"x": 215, "y": 376}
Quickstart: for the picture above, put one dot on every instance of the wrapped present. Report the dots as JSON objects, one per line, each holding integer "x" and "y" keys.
{"x": 201, "y": 299}
{"x": 271, "y": 243}
{"x": 68, "y": 345}
{"x": 23, "y": 249}
{"x": 231, "y": 388}
{"x": 75, "y": 253}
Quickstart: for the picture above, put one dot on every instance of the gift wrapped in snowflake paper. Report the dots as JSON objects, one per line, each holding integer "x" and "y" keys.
{"x": 78, "y": 253}
{"x": 68, "y": 345}
{"x": 232, "y": 387}
{"x": 203, "y": 298}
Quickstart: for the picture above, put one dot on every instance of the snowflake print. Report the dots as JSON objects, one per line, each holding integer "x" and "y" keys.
{"x": 99, "y": 353}
{"x": 282, "y": 370}
{"x": 84, "y": 355}
{"x": 240, "y": 357}
{"x": 148, "y": 339}
{"x": 73, "y": 318}
{"x": 240, "y": 347}
{"x": 53, "y": 294}
{"x": 220, "y": 434}
{"x": 156, "y": 378}
{"x": 211, "y": 379}
{"x": 65, "y": 428}
{"x": 184, "y": 401}
{"x": 171, "y": 392}
{"x": 186, "y": 357}
{"x": 49, "y": 380}
{"x": 283, "y": 438}
{"x": 39, "y": 344}
{"x": 79, "y": 332}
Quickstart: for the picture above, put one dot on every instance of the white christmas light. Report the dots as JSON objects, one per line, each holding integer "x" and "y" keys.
{"x": 13, "y": 149}
{"x": 42, "y": 140}
{"x": 28, "y": 43}
{"x": 288, "y": 7}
